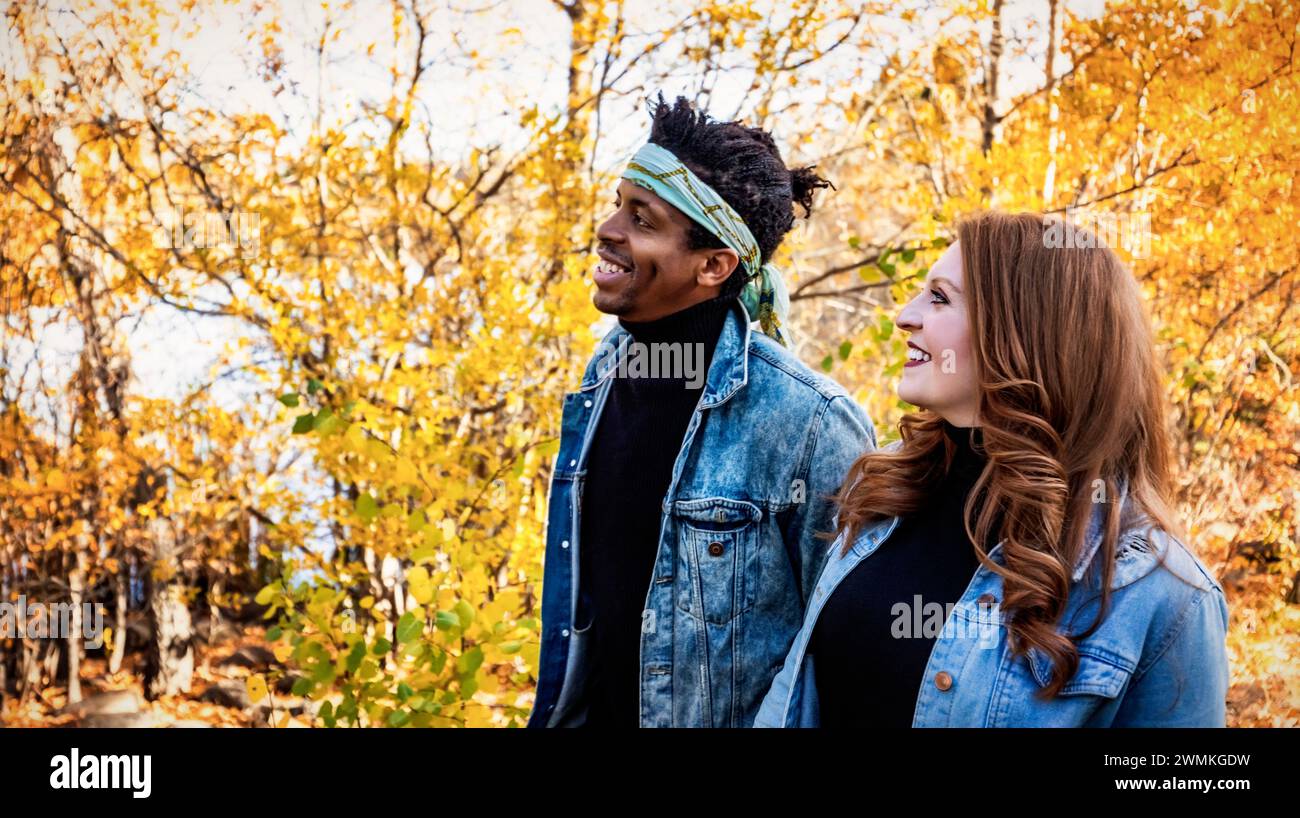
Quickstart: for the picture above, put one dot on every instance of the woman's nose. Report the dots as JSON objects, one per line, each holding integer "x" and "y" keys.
{"x": 910, "y": 317}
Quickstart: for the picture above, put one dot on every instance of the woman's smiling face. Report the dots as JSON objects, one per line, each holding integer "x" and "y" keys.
{"x": 940, "y": 371}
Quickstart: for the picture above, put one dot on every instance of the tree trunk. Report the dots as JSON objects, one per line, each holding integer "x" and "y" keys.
{"x": 122, "y": 602}
{"x": 169, "y": 668}
{"x": 76, "y": 590}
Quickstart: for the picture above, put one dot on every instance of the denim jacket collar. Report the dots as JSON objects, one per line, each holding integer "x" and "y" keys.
{"x": 728, "y": 372}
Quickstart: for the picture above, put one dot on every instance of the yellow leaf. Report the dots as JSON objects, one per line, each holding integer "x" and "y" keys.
{"x": 418, "y": 575}
{"x": 423, "y": 594}
{"x": 56, "y": 480}
{"x": 256, "y": 688}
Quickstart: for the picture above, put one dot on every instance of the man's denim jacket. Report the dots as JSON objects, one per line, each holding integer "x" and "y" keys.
{"x": 1157, "y": 660}
{"x": 766, "y": 446}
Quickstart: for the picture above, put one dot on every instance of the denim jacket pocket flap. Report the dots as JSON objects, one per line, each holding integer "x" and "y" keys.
{"x": 716, "y": 513}
{"x": 715, "y": 557}
{"x": 1100, "y": 673}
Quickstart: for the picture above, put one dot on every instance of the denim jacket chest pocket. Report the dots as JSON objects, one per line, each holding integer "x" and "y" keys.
{"x": 717, "y": 541}
{"x": 1095, "y": 689}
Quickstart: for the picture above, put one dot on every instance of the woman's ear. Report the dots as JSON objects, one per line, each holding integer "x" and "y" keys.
{"x": 718, "y": 267}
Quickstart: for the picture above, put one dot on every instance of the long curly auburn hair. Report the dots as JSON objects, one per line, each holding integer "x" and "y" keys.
{"x": 1070, "y": 393}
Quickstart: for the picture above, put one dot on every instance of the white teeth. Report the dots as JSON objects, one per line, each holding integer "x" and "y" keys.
{"x": 609, "y": 267}
{"x": 914, "y": 354}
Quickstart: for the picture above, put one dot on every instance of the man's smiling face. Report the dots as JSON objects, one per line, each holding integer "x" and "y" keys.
{"x": 647, "y": 269}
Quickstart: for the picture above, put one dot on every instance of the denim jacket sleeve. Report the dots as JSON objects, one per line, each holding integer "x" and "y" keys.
{"x": 1186, "y": 685}
{"x": 770, "y": 710}
{"x": 842, "y": 434}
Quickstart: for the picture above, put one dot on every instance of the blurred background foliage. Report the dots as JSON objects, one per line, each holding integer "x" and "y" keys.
{"x": 291, "y": 296}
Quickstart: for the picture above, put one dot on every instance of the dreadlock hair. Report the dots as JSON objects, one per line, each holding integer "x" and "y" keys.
{"x": 745, "y": 167}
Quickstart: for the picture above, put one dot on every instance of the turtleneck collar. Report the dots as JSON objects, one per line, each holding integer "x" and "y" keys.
{"x": 698, "y": 323}
{"x": 967, "y": 462}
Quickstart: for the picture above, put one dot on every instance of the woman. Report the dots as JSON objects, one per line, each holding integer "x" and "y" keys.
{"x": 1041, "y": 437}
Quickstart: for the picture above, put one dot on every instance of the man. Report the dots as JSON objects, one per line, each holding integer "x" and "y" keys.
{"x": 685, "y": 509}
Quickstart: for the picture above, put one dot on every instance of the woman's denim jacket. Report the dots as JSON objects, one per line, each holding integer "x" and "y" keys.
{"x": 1157, "y": 660}
{"x": 766, "y": 446}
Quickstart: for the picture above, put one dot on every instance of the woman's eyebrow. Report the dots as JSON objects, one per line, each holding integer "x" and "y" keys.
{"x": 937, "y": 279}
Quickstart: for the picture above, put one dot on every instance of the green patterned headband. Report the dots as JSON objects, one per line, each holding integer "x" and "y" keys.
{"x": 764, "y": 295}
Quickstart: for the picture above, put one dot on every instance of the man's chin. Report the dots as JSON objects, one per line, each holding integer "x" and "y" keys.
{"x": 611, "y": 303}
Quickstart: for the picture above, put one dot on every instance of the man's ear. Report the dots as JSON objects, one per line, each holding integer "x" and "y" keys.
{"x": 718, "y": 266}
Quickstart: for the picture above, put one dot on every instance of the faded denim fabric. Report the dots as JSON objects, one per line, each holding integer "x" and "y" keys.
{"x": 1158, "y": 659}
{"x": 766, "y": 446}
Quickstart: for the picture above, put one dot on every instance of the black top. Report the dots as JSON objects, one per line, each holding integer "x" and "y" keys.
{"x": 869, "y": 656}
{"x": 637, "y": 439}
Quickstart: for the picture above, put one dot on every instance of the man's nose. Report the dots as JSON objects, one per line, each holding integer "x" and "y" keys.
{"x": 610, "y": 232}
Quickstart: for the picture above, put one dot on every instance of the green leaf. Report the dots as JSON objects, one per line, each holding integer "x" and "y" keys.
{"x": 468, "y": 686}
{"x": 446, "y": 620}
{"x": 939, "y": 242}
{"x": 367, "y": 507}
{"x": 355, "y": 657}
{"x": 885, "y": 328}
{"x": 327, "y": 421}
{"x": 465, "y": 612}
{"x": 415, "y": 522}
{"x": 404, "y": 692}
{"x": 301, "y": 686}
{"x": 408, "y": 628}
{"x": 274, "y": 633}
{"x": 265, "y": 595}
{"x": 304, "y": 424}
{"x": 855, "y": 242}
{"x": 469, "y": 661}
{"x": 381, "y": 646}
{"x": 909, "y": 255}
{"x": 313, "y": 386}
{"x": 398, "y": 717}
{"x": 845, "y": 349}
{"x": 289, "y": 399}
{"x": 828, "y": 362}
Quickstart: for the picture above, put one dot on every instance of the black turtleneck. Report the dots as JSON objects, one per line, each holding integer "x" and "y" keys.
{"x": 629, "y": 466}
{"x": 867, "y": 676}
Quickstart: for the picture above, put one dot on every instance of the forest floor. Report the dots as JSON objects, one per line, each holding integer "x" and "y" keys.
{"x": 1263, "y": 652}
{"x": 217, "y": 698}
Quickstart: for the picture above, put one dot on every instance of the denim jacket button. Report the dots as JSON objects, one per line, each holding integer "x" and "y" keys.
{"x": 943, "y": 680}
{"x": 715, "y": 549}
{"x": 587, "y": 404}
{"x": 564, "y": 544}
{"x": 564, "y": 632}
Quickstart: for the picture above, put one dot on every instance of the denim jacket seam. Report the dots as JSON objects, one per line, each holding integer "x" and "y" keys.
{"x": 1197, "y": 597}
{"x": 827, "y": 390}
{"x": 804, "y": 470}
